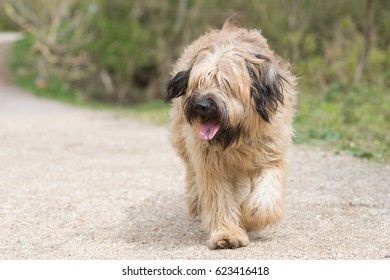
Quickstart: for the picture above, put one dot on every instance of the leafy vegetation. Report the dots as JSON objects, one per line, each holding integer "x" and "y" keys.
{"x": 120, "y": 52}
{"x": 351, "y": 118}
{"x": 153, "y": 111}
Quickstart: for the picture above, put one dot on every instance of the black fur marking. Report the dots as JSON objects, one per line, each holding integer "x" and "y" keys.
{"x": 267, "y": 94}
{"x": 178, "y": 85}
{"x": 228, "y": 136}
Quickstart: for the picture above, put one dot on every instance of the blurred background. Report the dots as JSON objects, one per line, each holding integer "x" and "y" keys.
{"x": 121, "y": 52}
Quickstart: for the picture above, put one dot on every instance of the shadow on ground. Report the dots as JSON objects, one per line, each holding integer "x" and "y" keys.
{"x": 162, "y": 217}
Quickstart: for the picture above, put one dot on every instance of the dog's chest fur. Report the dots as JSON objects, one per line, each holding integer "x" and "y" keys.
{"x": 237, "y": 161}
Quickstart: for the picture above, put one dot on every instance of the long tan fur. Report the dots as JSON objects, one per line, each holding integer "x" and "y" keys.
{"x": 236, "y": 181}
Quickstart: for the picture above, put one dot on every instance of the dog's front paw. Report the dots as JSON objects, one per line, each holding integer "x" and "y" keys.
{"x": 228, "y": 240}
{"x": 257, "y": 217}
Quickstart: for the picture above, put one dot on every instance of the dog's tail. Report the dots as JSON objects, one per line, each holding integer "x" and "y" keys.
{"x": 233, "y": 22}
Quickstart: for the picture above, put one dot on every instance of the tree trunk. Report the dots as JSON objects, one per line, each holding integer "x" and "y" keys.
{"x": 180, "y": 16}
{"x": 368, "y": 34}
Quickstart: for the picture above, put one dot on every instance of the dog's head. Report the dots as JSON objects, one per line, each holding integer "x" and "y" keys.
{"x": 229, "y": 85}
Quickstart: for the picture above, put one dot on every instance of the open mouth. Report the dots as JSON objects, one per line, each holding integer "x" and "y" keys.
{"x": 208, "y": 129}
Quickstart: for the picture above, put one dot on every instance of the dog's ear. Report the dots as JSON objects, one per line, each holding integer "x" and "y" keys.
{"x": 267, "y": 86}
{"x": 178, "y": 85}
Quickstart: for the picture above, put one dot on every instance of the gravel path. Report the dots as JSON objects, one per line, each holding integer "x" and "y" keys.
{"x": 80, "y": 184}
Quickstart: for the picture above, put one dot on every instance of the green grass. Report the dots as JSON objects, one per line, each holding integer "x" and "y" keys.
{"x": 355, "y": 119}
{"x": 352, "y": 119}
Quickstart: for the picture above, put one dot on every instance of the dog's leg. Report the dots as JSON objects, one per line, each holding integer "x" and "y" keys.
{"x": 265, "y": 204}
{"x": 220, "y": 213}
{"x": 192, "y": 192}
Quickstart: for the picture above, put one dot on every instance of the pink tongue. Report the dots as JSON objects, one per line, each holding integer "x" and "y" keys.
{"x": 208, "y": 129}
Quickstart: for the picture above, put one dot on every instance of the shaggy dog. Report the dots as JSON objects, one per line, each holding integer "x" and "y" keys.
{"x": 231, "y": 123}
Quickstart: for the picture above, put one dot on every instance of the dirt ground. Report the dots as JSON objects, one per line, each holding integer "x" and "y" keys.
{"x": 82, "y": 184}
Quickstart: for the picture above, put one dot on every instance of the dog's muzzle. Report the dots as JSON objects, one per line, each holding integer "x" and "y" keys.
{"x": 204, "y": 109}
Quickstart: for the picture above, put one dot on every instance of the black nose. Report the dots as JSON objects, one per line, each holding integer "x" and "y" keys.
{"x": 202, "y": 106}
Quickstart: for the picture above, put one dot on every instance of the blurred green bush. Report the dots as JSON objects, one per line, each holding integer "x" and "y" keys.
{"x": 114, "y": 51}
